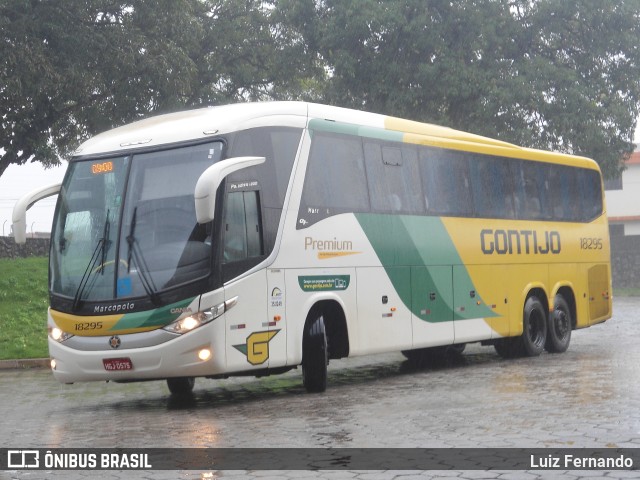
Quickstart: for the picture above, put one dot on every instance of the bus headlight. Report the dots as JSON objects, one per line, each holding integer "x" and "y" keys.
{"x": 196, "y": 320}
{"x": 59, "y": 335}
{"x": 189, "y": 323}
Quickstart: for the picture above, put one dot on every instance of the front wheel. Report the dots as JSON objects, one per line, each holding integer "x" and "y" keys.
{"x": 559, "y": 327}
{"x": 181, "y": 385}
{"x": 315, "y": 357}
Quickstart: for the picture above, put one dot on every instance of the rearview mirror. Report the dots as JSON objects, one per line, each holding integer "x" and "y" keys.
{"x": 19, "y": 217}
{"x": 210, "y": 180}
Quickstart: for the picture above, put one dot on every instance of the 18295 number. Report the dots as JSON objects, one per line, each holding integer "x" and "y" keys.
{"x": 88, "y": 326}
{"x": 588, "y": 243}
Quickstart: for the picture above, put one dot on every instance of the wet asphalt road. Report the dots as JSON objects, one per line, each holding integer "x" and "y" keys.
{"x": 586, "y": 397}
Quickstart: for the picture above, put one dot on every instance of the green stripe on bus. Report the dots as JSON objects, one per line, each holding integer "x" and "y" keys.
{"x": 158, "y": 317}
{"x": 423, "y": 245}
{"x": 357, "y": 130}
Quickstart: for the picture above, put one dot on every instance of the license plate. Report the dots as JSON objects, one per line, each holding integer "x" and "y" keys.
{"x": 117, "y": 364}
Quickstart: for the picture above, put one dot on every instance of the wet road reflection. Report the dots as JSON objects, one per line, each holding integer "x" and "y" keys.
{"x": 585, "y": 397}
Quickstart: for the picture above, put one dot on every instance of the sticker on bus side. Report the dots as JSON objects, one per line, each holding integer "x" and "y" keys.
{"x": 323, "y": 283}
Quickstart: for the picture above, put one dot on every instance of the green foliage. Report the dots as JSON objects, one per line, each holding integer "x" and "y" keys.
{"x": 551, "y": 74}
{"x": 23, "y": 308}
{"x": 71, "y": 69}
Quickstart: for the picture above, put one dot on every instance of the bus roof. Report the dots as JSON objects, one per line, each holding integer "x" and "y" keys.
{"x": 203, "y": 123}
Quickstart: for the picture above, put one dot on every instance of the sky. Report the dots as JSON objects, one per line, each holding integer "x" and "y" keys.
{"x": 19, "y": 180}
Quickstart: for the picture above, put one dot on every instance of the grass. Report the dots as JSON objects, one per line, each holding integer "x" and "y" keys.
{"x": 23, "y": 308}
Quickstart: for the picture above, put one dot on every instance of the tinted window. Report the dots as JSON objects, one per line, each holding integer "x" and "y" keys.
{"x": 279, "y": 147}
{"x": 590, "y": 187}
{"x": 531, "y": 188}
{"x": 445, "y": 179}
{"x": 242, "y": 236}
{"x": 393, "y": 178}
{"x": 492, "y": 187}
{"x": 401, "y": 178}
{"x": 336, "y": 178}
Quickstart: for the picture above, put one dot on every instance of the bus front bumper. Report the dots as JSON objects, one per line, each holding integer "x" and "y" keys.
{"x": 194, "y": 354}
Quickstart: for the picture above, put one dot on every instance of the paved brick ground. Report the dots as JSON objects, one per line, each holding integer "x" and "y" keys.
{"x": 587, "y": 397}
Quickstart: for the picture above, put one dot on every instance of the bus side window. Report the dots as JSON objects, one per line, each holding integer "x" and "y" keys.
{"x": 497, "y": 200}
{"x": 336, "y": 176}
{"x": 393, "y": 178}
{"x": 445, "y": 179}
{"x": 590, "y": 188}
{"x": 530, "y": 188}
{"x": 242, "y": 227}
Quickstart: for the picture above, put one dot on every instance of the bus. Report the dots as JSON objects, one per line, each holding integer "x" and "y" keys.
{"x": 254, "y": 238}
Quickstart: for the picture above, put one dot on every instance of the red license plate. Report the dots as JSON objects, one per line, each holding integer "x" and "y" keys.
{"x": 117, "y": 364}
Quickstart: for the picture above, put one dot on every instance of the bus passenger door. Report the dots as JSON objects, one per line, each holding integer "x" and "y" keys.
{"x": 432, "y": 300}
{"x": 247, "y": 326}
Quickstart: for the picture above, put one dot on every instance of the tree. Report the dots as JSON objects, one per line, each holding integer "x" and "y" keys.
{"x": 70, "y": 69}
{"x": 551, "y": 74}
{"x": 73, "y": 68}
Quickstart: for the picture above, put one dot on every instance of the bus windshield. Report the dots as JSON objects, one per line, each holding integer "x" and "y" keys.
{"x": 125, "y": 226}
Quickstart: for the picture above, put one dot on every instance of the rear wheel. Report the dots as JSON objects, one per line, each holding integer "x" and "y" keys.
{"x": 534, "y": 333}
{"x": 559, "y": 326}
{"x": 181, "y": 385}
{"x": 315, "y": 357}
{"x": 534, "y": 324}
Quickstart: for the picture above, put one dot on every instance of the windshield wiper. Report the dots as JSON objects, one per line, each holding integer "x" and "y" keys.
{"x": 100, "y": 252}
{"x": 143, "y": 269}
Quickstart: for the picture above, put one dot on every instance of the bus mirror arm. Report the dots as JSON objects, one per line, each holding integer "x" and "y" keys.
{"x": 19, "y": 217}
{"x": 210, "y": 180}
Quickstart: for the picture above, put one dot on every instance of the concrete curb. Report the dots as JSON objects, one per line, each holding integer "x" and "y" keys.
{"x": 25, "y": 363}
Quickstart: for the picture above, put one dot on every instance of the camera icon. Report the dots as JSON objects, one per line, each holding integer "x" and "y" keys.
{"x": 23, "y": 459}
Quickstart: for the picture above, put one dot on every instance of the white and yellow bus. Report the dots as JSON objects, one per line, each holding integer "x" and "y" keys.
{"x": 254, "y": 238}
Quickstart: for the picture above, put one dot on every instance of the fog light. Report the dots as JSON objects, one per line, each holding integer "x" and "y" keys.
{"x": 204, "y": 354}
{"x": 53, "y": 364}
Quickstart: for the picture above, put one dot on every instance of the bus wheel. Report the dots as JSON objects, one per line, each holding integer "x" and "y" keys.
{"x": 456, "y": 348}
{"x": 534, "y": 327}
{"x": 314, "y": 357}
{"x": 181, "y": 385}
{"x": 559, "y": 327}
{"x": 416, "y": 358}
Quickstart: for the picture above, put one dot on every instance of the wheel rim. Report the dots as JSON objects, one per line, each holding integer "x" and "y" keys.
{"x": 561, "y": 324}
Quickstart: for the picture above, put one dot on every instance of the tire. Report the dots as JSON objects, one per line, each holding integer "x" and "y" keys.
{"x": 181, "y": 385}
{"x": 417, "y": 358}
{"x": 534, "y": 328}
{"x": 455, "y": 349}
{"x": 559, "y": 326}
{"x": 315, "y": 357}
